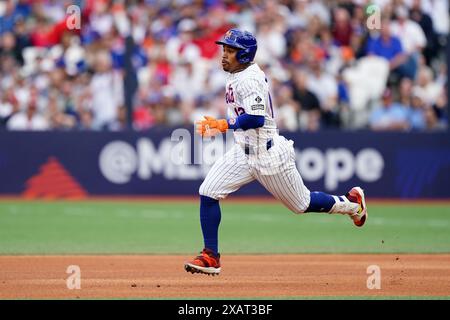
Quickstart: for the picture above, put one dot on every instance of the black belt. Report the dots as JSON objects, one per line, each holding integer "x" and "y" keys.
{"x": 247, "y": 147}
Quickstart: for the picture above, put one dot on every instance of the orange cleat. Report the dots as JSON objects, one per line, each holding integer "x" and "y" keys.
{"x": 207, "y": 262}
{"x": 356, "y": 195}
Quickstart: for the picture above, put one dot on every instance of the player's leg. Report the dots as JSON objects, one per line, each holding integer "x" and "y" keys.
{"x": 226, "y": 176}
{"x": 283, "y": 180}
{"x": 353, "y": 203}
{"x": 285, "y": 184}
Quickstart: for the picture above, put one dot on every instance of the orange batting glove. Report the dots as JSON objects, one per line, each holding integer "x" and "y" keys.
{"x": 210, "y": 126}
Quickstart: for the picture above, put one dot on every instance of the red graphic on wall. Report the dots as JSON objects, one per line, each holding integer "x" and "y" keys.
{"x": 53, "y": 182}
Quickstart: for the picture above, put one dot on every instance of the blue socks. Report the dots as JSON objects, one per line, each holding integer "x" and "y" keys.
{"x": 320, "y": 202}
{"x": 210, "y": 216}
{"x": 210, "y": 219}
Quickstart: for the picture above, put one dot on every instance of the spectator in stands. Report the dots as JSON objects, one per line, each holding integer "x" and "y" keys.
{"x": 412, "y": 38}
{"x": 389, "y": 47}
{"x": 203, "y": 107}
{"x": 58, "y": 118}
{"x": 9, "y": 105}
{"x": 325, "y": 87}
{"x": 362, "y": 36}
{"x": 300, "y": 15}
{"x": 101, "y": 20}
{"x": 176, "y": 60}
{"x": 317, "y": 8}
{"x": 417, "y": 111}
{"x": 120, "y": 123}
{"x": 309, "y": 105}
{"x": 8, "y": 17}
{"x": 432, "y": 122}
{"x": 438, "y": 11}
{"x": 288, "y": 110}
{"x": 86, "y": 120}
{"x": 441, "y": 107}
{"x": 30, "y": 119}
{"x": 271, "y": 40}
{"x": 342, "y": 29}
{"x": 405, "y": 91}
{"x": 426, "y": 23}
{"x": 426, "y": 87}
{"x": 107, "y": 92}
{"x": 389, "y": 116}
{"x": 22, "y": 39}
{"x": 302, "y": 46}
{"x": 182, "y": 45}
{"x": 9, "y": 47}
{"x": 304, "y": 97}
{"x": 170, "y": 102}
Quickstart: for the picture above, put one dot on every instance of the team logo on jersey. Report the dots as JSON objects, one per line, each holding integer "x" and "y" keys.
{"x": 229, "y": 95}
{"x": 258, "y": 99}
{"x": 258, "y": 107}
{"x": 232, "y": 121}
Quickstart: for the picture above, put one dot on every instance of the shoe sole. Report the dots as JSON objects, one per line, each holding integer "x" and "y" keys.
{"x": 210, "y": 271}
{"x": 359, "y": 194}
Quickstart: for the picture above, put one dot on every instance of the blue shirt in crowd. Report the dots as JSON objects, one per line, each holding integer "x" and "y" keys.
{"x": 417, "y": 119}
{"x": 387, "y": 50}
{"x": 382, "y": 116}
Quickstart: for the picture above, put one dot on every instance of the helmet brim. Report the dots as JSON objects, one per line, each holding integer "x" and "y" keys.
{"x": 230, "y": 43}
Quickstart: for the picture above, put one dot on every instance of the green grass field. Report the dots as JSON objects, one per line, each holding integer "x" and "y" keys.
{"x": 173, "y": 227}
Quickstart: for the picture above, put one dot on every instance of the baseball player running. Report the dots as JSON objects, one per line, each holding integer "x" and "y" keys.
{"x": 259, "y": 153}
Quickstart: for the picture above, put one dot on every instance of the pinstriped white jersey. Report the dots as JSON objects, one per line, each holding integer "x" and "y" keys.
{"x": 247, "y": 91}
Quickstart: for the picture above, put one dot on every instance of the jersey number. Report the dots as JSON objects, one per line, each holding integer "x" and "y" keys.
{"x": 239, "y": 111}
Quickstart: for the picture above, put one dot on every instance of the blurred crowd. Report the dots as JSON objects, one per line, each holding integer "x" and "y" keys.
{"x": 350, "y": 64}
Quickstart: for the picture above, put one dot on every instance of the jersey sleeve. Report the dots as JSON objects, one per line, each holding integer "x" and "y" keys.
{"x": 252, "y": 95}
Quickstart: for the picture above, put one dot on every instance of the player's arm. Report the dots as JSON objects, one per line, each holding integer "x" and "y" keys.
{"x": 211, "y": 126}
{"x": 246, "y": 121}
{"x": 253, "y": 104}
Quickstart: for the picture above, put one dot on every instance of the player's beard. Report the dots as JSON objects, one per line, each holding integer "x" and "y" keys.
{"x": 225, "y": 66}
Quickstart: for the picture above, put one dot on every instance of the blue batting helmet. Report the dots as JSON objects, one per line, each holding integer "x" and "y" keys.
{"x": 242, "y": 40}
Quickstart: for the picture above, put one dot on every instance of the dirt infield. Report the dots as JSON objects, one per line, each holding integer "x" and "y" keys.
{"x": 252, "y": 276}
{"x": 194, "y": 199}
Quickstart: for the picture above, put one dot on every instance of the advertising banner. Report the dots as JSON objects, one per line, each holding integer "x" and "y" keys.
{"x": 165, "y": 161}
